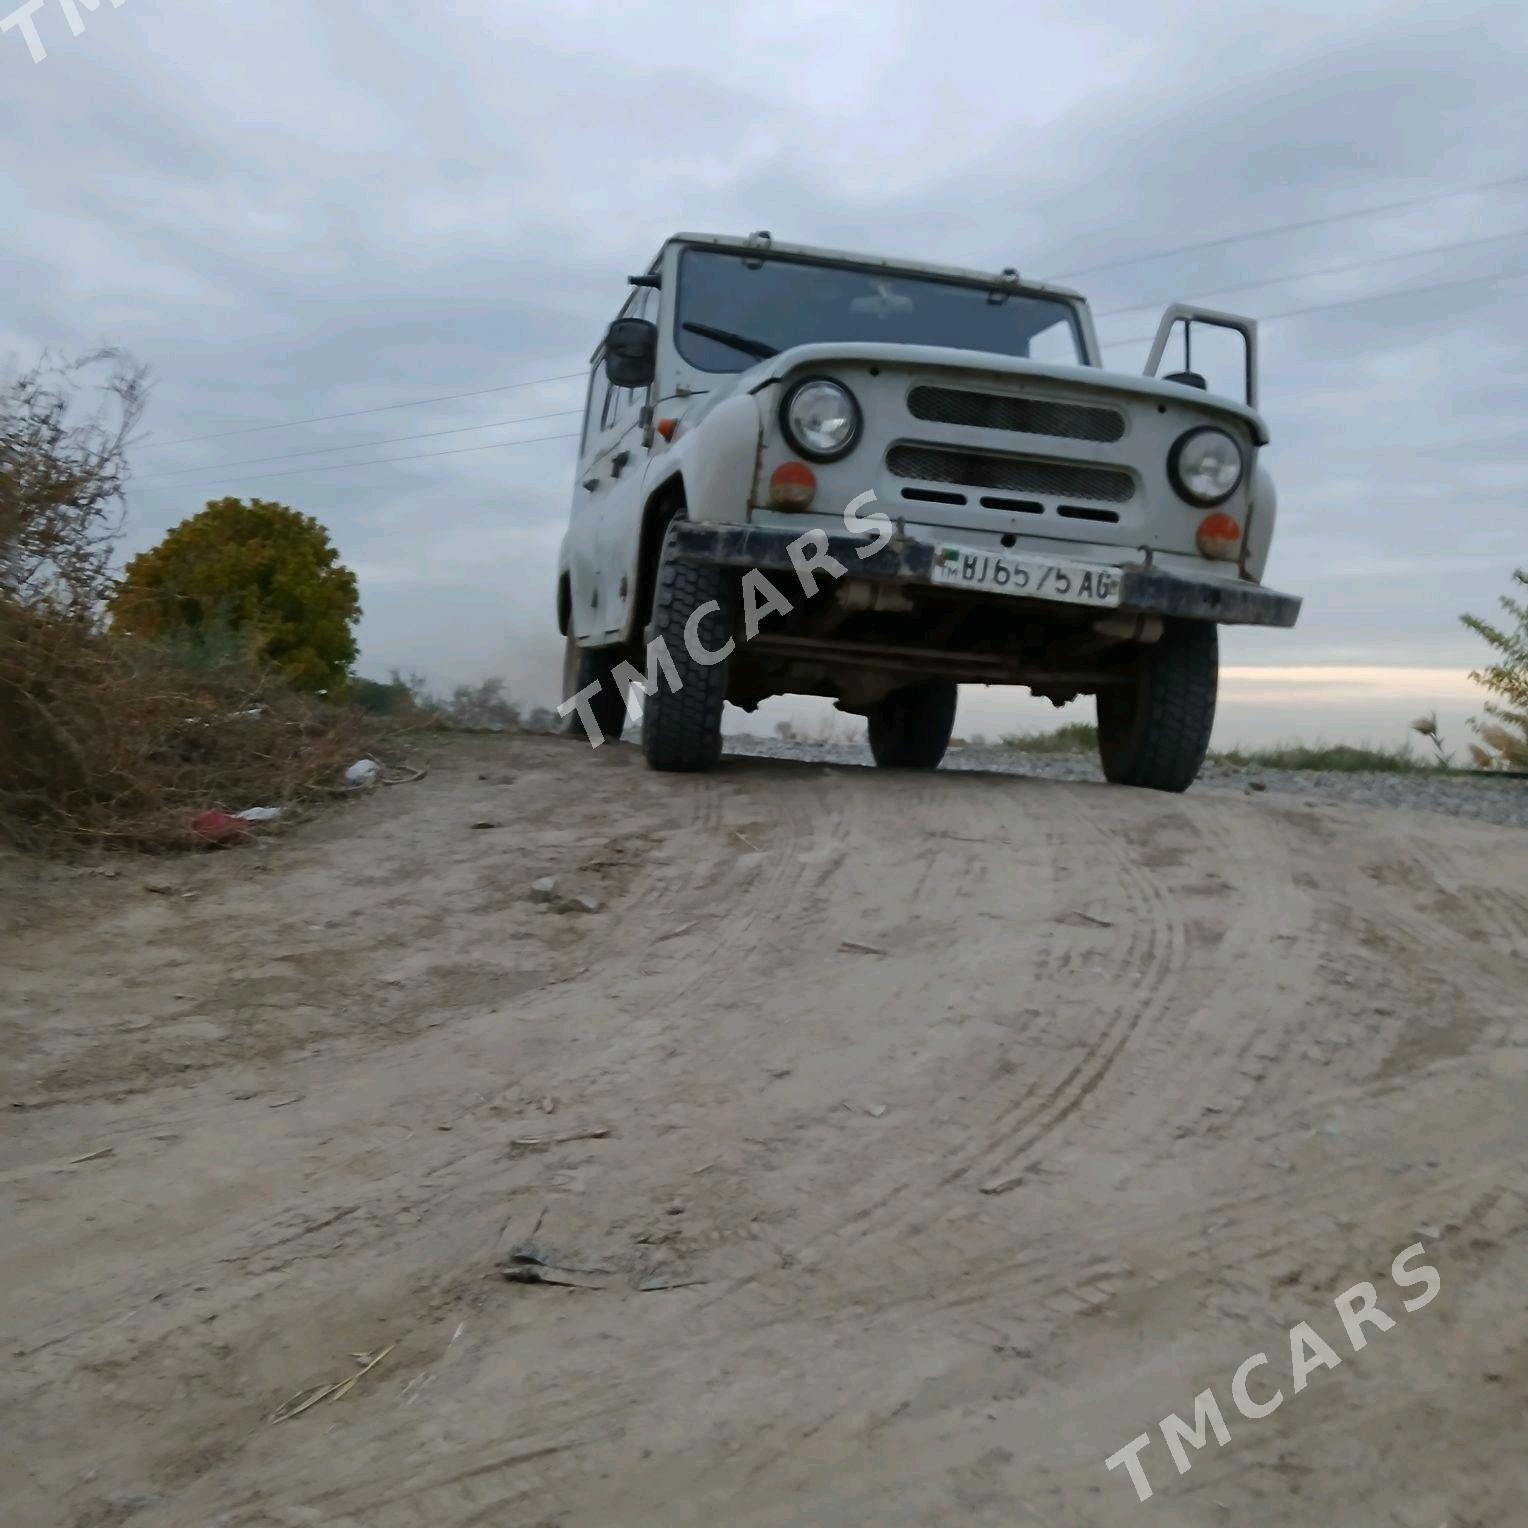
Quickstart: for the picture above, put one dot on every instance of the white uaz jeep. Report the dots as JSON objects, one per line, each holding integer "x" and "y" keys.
{"x": 806, "y": 472}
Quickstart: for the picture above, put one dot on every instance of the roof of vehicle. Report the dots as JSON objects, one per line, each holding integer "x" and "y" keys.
{"x": 758, "y": 244}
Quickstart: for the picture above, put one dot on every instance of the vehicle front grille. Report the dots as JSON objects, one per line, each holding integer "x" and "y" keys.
{"x": 1030, "y": 416}
{"x": 1013, "y": 474}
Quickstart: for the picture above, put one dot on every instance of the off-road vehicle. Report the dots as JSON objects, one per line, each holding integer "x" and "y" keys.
{"x": 985, "y": 503}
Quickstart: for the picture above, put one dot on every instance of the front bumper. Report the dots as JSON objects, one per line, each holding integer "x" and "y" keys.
{"x": 1143, "y": 590}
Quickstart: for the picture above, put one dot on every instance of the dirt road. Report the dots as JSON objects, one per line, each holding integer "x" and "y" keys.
{"x": 959, "y": 1129}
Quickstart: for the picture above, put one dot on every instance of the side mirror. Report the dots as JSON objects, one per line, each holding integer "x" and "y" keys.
{"x": 631, "y": 352}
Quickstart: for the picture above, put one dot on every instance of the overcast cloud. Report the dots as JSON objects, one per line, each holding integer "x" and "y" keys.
{"x": 292, "y": 209}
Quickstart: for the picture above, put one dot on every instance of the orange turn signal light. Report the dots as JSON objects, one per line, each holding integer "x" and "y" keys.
{"x": 792, "y": 485}
{"x": 1219, "y": 536}
{"x": 666, "y": 427}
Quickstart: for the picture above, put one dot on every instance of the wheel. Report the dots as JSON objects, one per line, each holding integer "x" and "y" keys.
{"x": 1154, "y": 733}
{"x": 682, "y": 725}
{"x": 911, "y": 727}
{"x": 581, "y": 667}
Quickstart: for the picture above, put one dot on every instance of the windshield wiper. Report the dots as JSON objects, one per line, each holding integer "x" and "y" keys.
{"x": 756, "y": 348}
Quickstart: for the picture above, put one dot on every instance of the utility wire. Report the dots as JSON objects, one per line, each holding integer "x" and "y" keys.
{"x": 1142, "y": 259}
{"x": 410, "y": 403}
{"x": 1138, "y": 339}
{"x": 1283, "y": 228}
{"x": 1326, "y": 270}
{"x": 357, "y": 445}
{"x": 418, "y": 456}
{"x": 1352, "y": 302}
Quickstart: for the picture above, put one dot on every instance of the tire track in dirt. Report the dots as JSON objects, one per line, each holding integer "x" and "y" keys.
{"x": 947, "y": 875}
{"x": 1096, "y": 1279}
{"x": 1146, "y": 968}
{"x": 1218, "y": 1043}
{"x": 864, "y": 1306}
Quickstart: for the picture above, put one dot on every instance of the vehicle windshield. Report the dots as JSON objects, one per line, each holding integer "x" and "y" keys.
{"x": 735, "y": 310}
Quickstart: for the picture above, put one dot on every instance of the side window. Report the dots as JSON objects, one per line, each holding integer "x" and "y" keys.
{"x": 644, "y": 300}
{"x": 608, "y": 406}
{"x": 613, "y": 405}
{"x": 591, "y": 404}
{"x": 642, "y": 306}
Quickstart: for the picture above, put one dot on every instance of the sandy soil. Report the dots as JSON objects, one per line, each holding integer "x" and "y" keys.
{"x": 1137, "y": 1084}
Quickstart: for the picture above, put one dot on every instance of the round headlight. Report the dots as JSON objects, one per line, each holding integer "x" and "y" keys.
{"x": 1205, "y": 466}
{"x": 821, "y": 418}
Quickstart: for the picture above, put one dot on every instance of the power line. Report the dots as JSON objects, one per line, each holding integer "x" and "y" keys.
{"x": 255, "y": 429}
{"x": 1283, "y": 228}
{"x": 1161, "y": 254}
{"x": 1326, "y": 270}
{"x": 1137, "y": 339}
{"x": 418, "y": 456}
{"x": 358, "y": 445}
{"x": 1350, "y": 302}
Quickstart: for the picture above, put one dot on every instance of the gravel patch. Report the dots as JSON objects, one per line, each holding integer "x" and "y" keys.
{"x": 1500, "y": 801}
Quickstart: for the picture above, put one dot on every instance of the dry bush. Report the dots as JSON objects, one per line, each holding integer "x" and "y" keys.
{"x": 62, "y": 470}
{"x": 115, "y": 742}
{"x": 480, "y": 707}
{"x": 106, "y": 740}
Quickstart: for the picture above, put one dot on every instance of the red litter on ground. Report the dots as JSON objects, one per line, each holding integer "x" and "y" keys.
{"x": 218, "y": 827}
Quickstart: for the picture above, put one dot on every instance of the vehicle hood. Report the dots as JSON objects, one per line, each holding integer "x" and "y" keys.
{"x": 988, "y": 364}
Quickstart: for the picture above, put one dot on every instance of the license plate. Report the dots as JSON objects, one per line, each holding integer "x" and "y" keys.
{"x": 1036, "y": 578}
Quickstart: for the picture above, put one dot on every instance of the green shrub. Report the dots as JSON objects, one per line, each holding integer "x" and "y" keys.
{"x": 1504, "y": 733}
{"x": 259, "y": 570}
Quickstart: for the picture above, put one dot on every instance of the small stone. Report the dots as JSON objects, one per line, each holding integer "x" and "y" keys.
{"x": 582, "y": 902}
{"x": 676, "y": 1209}
{"x": 544, "y": 889}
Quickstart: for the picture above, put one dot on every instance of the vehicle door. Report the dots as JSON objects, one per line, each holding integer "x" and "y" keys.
{"x": 582, "y": 539}
{"x": 619, "y": 474}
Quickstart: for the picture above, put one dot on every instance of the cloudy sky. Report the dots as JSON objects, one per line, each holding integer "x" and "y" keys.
{"x": 292, "y": 210}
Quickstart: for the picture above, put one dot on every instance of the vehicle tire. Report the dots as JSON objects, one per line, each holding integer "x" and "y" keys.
{"x": 682, "y": 727}
{"x": 581, "y": 667}
{"x": 1154, "y": 733}
{"x": 911, "y": 727}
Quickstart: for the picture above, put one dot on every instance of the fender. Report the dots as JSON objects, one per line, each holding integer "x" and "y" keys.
{"x": 1262, "y": 514}
{"x": 709, "y": 469}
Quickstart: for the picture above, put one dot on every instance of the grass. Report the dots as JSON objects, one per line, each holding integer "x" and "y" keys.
{"x": 1344, "y": 758}
{"x": 1074, "y": 737}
